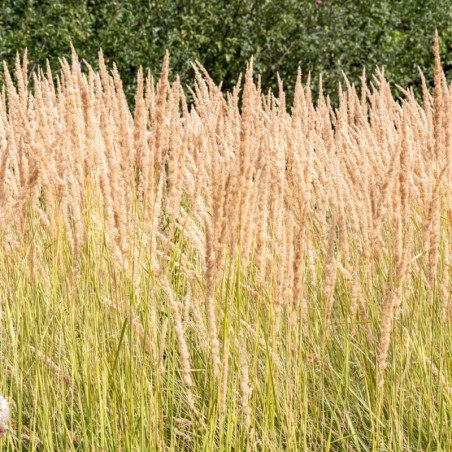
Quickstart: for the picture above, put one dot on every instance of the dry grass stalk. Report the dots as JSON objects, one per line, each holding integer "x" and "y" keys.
{"x": 60, "y": 374}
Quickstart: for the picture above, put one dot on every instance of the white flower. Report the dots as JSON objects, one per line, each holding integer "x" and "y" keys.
{"x": 4, "y": 415}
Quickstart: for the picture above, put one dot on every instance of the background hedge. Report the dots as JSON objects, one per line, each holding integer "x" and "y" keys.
{"x": 322, "y": 36}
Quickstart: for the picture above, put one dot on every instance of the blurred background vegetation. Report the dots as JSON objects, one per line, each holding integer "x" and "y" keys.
{"x": 328, "y": 37}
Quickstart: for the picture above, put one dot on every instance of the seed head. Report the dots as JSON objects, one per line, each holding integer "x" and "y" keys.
{"x": 4, "y": 416}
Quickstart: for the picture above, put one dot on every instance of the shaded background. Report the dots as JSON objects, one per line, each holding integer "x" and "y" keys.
{"x": 320, "y": 36}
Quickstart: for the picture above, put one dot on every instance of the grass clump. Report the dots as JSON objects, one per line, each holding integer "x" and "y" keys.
{"x": 235, "y": 275}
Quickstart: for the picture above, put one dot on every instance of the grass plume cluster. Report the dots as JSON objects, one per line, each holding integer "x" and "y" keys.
{"x": 234, "y": 275}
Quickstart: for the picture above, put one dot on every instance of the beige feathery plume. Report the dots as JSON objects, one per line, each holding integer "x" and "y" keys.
{"x": 245, "y": 388}
{"x": 159, "y": 133}
{"x": 140, "y": 135}
{"x": 210, "y": 299}
{"x": 445, "y": 281}
{"x": 4, "y": 416}
{"x": 330, "y": 273}
{"x": 178, "y": 328}
{"x": 438, "y": 130}
{"x": 393, "y": 296}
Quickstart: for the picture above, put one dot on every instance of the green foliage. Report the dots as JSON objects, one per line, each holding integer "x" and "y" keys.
{"x": 333, "y": 37}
